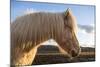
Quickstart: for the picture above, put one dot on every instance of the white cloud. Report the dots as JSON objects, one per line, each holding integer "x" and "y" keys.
{"x": 86, "y": 29}
{"x": 30, "y": 10}
{"x": 87, "y": 45}
{"x": 86, "y": 39}
{"x": 50, "y": 42}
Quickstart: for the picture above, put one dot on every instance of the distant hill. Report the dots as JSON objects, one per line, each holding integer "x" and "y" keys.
{"x": 48, "y": 49}
{"x": 47, "y": 55}
{"x": 55, "y": 49}
{"x": 87, "y": 49}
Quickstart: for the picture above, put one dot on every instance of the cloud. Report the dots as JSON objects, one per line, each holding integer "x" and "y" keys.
{"x": 30, "y": 10}
{"x": 50, "y": 42}
{"x": 86, "y": 35}
{"x": 86, "y": 28}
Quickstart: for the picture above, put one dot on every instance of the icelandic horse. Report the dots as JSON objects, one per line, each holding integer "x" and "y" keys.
{"x": 28, "y": 31}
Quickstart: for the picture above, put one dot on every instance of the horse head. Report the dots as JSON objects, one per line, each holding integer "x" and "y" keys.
{"x": 68, "y": 41}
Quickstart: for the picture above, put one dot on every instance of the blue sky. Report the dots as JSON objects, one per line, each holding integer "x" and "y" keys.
{"x": 85, "y": 16}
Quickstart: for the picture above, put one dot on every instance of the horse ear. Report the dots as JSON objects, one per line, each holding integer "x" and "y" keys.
{"x": 67, "y": 12}
{"x": 70, "y": 19}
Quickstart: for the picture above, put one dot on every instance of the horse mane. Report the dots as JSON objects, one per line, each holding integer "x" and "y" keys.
{"x": 34, "y": 28}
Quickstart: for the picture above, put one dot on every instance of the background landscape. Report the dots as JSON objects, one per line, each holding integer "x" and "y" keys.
{"x": 51, "y": 55}
{"x": 49, "y": 52}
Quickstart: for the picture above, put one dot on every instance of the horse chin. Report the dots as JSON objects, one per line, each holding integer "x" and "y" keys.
{"x": 71, "y": 57}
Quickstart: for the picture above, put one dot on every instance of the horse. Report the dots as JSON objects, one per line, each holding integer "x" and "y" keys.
{"x": 30, "y": 30}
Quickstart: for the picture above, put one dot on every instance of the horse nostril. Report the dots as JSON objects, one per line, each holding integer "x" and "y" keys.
{"x": 73, "y": 53}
